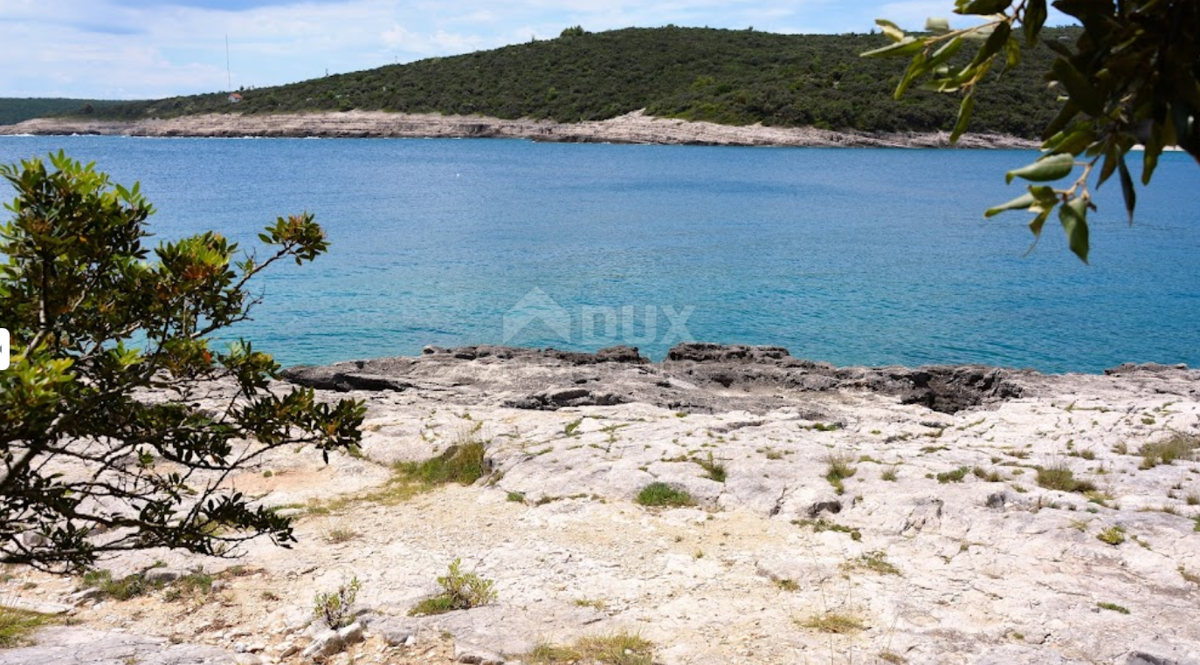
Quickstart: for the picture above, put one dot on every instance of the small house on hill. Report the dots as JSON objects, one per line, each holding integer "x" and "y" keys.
{"x": 234, "y": 98}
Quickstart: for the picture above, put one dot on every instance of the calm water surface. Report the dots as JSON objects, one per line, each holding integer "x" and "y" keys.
{"x": 856, "y": 256}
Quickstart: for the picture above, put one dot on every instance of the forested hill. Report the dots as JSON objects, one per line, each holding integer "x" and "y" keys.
{"x": 724, "y": 76}
{"x": 14, "y": 110}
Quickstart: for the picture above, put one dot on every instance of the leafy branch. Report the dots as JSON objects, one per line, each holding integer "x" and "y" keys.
{"x": 1131, "y": 78}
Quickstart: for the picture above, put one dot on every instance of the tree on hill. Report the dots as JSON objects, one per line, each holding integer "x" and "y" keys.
{"x": 1132, "y": 76}
{"x": 110, "y": 436}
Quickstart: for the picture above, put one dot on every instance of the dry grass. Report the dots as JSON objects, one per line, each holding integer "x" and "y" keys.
{"x": 614, "y": 649}
{"x": 1178, "y": 446}
{"x": 17, "y": 625}
{"x": 835, "y": 623}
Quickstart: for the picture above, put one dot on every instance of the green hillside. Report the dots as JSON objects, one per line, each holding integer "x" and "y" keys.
{"x": 14, "y": 110}
{"x": 725, "y": 76}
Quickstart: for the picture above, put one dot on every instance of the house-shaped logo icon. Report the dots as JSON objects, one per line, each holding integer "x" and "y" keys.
{"x": 533, "y": 307}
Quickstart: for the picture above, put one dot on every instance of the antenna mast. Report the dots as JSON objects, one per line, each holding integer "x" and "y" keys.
{"x": 228, "y": 75}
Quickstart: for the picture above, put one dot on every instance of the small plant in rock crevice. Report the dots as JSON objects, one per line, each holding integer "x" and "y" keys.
{"x": 1060, "y": 477}
{"x": 713, "y": 469}
{"x": 334, "y": 607}
{"x": 620, "y": 648}
{"x": 1113, "y": 535}
{"x": 662, "y": 494}
{"x": 1113, "y": 607}
{"x": 836, "y": 623}
{"x": 1178, "y": 446}
{"x": 955, "y": 476}
{"x": 838, "y": 468}
{"x": 460, "y": 591}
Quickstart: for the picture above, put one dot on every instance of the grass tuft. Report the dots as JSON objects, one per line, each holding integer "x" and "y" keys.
{"x": 1113, "y": 606}
{"x": 1061, "y": 478}
{"x": 838, "y": 468}
{"x": 834, "y": 622}
{"x": 662, "y": 494}
{"x": 620, "y": 648}
{"x": 955, "y": 476}
{"x": 818, "y": 525}
{"x": 16, "y": 626}
{"x": 874, "y": 561}
{"x": 1113, "y": 535}
{"x": 1178, "y": 446}
{"x": 461, "y": 463}
{"x": 713, "y": 469}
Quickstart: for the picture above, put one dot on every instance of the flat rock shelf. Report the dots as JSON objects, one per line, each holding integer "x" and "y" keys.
{"x": 957, "y": 514}
{"x": 633, "y": 127}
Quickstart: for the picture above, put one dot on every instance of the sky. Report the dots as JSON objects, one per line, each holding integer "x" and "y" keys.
{"x": 139, "y": 49}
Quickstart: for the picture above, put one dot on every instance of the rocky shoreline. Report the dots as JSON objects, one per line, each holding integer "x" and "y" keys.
{"x": 977, "y": 515}
{"x": 635, "y": 127}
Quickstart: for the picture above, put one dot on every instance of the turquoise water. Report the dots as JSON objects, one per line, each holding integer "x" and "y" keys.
{"x": 856, "y": 256}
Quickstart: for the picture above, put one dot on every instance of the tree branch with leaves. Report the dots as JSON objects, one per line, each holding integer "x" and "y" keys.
{"x": 120, "y": 429}
{"x": 1132, "y": 78}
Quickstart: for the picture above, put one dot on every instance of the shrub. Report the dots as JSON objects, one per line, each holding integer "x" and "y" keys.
{"x": 662, "y": 494}
{"x": 460, "y": 591}
{"x": 95, "y": 325}
{"x": 334, "y": 608}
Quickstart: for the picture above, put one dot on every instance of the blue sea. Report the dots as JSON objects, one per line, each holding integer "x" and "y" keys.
{"x": 852, "y": 256}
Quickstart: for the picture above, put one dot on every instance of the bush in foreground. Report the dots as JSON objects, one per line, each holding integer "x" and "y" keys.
{"x": 104, "y": 445}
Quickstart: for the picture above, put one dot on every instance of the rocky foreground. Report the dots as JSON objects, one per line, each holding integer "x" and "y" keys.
{"x": 841, "y": 515}
{"x": 634, "y": 127}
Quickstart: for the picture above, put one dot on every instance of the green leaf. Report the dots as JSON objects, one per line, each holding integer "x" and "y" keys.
{"x": 890, "y": 30}
{"x": 994, "y": 43}
{"x": 916, "y": 68}
{"x": 947, "y": 51}
{"x": 1012, "y": 54}
{"x": 1078, "y": 87}
{"x": 1065, "y": 115}
{"x": 1022, "y": 202}
{"x": 1073, "y": 216}
{"x": 1045, "y": 169}
{"x": 1034, "y": 19}
{"x": 1151, "y": 152}
{"x": 964, "y": 117}
{"x": 1038, "y": 222}
{"x": 984, "y": 7}
{"x": 1127, "y": 190}
{"x": 905, "y": 47}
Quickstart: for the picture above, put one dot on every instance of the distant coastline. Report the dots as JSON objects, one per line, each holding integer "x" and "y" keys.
{"x": 634, "y": 128}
